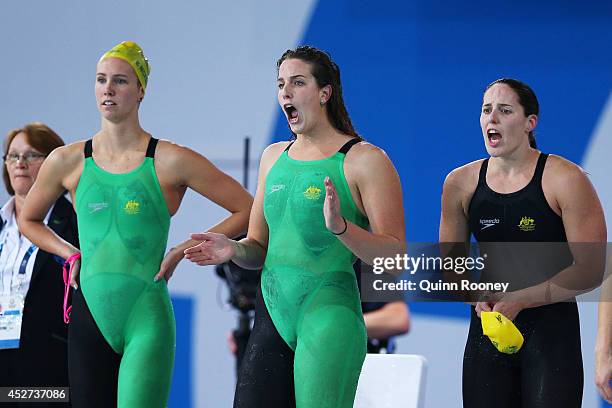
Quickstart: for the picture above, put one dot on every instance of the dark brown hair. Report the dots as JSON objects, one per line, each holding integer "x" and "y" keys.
{"x": 527, "y": 98}
{"x": 326, "y": 72}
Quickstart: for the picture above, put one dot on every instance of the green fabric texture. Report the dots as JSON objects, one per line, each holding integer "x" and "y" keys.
{"x": 308, "y": 282}
{"x": 123, "y": 224}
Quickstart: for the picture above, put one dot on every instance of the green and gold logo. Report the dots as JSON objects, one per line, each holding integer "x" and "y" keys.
{"x": 527, "y": 224}
{"x": 132, "y": 207}
{"x": 312, "y": 193}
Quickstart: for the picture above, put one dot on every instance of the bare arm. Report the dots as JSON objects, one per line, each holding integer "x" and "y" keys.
{"x": 585, "y": 228}
{"x": 454, "y": 233}
{"x": 453, "y": 218}
{"x": 249, "y": 252}
{"x": 183, "y": 168}
{"x": 381, "y": 194}
{"x": 198, "y": 173}
{"x": 392, "y": 319}
{"x": 53, "y": 179}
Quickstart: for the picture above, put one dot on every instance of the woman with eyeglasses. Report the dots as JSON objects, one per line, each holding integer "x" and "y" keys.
{"x": 33, "y": 336}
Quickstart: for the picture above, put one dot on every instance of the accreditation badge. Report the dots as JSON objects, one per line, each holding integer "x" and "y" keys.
{"x": 11, "y": 313}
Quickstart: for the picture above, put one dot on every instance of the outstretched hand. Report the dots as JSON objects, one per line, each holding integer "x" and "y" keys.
{"x": 214, "y": 249}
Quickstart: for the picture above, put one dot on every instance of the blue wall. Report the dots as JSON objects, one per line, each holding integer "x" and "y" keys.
{"x": 180, "y": 393}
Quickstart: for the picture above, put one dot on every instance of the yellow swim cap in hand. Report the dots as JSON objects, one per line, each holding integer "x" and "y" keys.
{"x": 502, "y": 332}
{"x": 131, "y": 52}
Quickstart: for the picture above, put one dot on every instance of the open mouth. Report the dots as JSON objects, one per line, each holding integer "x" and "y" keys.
{"x": 494, "y": 137}
{"x": 108, "y": 103}
{"x": 292, "y": 113}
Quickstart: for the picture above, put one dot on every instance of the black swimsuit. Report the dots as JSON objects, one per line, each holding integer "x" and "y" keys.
{"x": 547, "y": 371}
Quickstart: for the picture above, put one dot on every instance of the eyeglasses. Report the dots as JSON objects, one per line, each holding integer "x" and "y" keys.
{"x": 28, "y": 157}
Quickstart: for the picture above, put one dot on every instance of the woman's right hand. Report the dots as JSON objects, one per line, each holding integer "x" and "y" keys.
{"x": 214, "y": 249}
{"x": 603, "y": 374}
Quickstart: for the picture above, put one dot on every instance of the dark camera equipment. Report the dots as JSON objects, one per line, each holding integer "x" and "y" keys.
{"x": 242, "y": 284}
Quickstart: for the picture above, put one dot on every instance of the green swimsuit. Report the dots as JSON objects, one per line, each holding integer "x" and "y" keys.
{"x": 308, "y": 283}
{"x": 123, "y": 225}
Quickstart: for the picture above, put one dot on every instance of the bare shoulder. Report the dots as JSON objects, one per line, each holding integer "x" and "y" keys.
{"x": 177, "y": 162}
{"x": 179, "y": 165}
{"x": 271, "y": 153}
{"x": 378, "y": 162}
{"x": 366, "y": 151}
{"x": 465, "y": 176}
{"x": 460, "y": 185}
{"x": 572, "y": 195}
{"x": 560, "y": 167}
{"x": 70, "y": 152}
{"x": 64, "y": 159}
{"x": 563, "y": 175}
{"x": 65, "y": 165}
{"x": 168, "y": 150}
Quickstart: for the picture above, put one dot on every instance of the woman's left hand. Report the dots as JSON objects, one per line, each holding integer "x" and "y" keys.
{"x": 169, "y": 263}
{"x": 509, "y": 305}
{"x": 331, "y": 208}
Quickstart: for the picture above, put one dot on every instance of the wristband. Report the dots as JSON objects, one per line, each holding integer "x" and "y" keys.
{"x": 344, "y": 230}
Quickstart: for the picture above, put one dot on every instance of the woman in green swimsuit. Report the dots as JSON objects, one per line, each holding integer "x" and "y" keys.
{"x": 316, "y": 197}
{"x": 125, "y": 186}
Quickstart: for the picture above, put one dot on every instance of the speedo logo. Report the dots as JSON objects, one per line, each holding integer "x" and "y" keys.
{"x": 276, "y": 187}
{"x": 132, "y": 207}
{"x": 488, "y": 223}
{"x": 95, "y": 207}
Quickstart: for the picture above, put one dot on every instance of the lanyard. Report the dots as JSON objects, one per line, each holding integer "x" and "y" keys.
{"x": 1, "y": 228}
{"x": 24, "y": 262}
{"x": 26, "y": 258}
{"x": 22, "y": 269}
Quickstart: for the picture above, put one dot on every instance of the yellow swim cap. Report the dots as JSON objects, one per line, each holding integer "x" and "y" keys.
{"x": 132, "y": 53}
{"x": 502, "y": 332}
